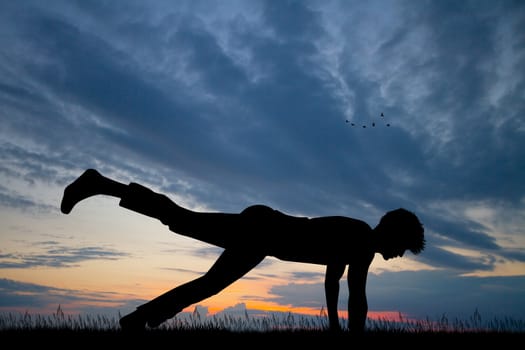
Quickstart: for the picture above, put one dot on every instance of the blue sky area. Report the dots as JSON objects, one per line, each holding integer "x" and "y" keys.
{"x": 224, "y": 104}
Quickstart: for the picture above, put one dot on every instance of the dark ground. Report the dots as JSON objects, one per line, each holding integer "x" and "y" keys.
{"x": 194, "y": 339}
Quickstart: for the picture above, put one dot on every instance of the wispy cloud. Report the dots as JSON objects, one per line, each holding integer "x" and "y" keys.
{"x": 52, "y": 254}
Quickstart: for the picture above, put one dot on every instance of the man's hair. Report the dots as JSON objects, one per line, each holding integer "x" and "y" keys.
{"x": 402, "y": 227}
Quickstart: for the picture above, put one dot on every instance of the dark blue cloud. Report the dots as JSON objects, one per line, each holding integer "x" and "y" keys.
{"x": 448, "y": 295}
{"x": 35, "y": 297}
{"x": 422, "y": 294}
{"x": 444, "y": 259}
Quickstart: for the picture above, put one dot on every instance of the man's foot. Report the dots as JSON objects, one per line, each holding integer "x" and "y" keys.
{"x": 84, "y": 186}
{"x": 135, "y": 321}
{"x": 155, "y": 322}
{"x": 138, "y": 319}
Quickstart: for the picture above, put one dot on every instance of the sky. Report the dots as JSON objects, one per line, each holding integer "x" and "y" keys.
{"x": 223, "y": 104}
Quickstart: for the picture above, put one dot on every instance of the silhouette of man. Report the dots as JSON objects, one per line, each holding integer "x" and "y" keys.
{"x": 260, "y": 231}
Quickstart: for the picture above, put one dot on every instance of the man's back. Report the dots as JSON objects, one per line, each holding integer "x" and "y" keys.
{"x": 322, "y": 240}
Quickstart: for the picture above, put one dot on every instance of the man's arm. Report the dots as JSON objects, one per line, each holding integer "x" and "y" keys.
{"x": 334, "y": 272}
{"x": 357, "y": 302}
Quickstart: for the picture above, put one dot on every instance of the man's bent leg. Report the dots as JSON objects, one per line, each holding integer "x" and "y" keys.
{"x": 231, "y": 265}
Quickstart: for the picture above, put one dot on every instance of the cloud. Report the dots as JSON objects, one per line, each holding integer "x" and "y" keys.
{"x": 8, "y": 199}
{"x": 141, "y": 117}
{"x": 57, "y": 256}
{"x": 420, "y": 294}
{"x": 43, "y": 300}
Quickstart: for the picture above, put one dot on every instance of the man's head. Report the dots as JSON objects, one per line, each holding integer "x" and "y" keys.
{"x": 399, "y": 230}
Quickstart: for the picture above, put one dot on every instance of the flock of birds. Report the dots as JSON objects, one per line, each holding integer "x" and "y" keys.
{"x": 373, "y": 123}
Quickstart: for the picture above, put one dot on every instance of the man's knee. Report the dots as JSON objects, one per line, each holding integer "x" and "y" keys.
{"x": 145, "y": 201}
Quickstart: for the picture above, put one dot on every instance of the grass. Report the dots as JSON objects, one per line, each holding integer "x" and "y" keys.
{"x": 260, "y": 330}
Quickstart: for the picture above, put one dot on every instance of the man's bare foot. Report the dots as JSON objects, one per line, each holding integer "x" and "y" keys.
{"x": 83, "y": 187}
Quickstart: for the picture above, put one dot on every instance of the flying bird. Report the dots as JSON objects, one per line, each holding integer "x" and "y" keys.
{"x": 373, "y": 124}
